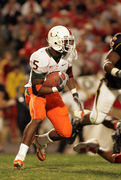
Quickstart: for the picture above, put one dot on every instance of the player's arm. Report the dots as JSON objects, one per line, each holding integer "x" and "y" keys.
{"x": 71, "y": 81}
{"x": 72, "y": 87}
{"x": 109, "y": 64}
{"x": 38, "y": 79}
{"x": 43, "y": 90}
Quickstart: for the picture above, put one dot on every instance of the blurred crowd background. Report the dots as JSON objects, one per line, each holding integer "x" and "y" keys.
{"x": 24, "y": 25}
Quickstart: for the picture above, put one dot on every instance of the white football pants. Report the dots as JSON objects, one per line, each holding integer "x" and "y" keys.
{"x": 103, "y": 102}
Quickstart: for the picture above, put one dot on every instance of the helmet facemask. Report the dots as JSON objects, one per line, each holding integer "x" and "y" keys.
{"x": 68, "y": 44}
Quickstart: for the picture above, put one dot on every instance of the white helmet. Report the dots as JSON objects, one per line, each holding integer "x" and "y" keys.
{"x": 61, "y": 39}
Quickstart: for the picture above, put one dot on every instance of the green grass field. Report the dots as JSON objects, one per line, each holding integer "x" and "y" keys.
{"x": 60, "y": 167}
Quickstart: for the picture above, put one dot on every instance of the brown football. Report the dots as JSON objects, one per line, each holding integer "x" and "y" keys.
{"x": 52, "y": 79}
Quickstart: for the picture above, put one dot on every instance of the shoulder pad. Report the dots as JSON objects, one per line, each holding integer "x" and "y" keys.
{"x": 41, "y": 57}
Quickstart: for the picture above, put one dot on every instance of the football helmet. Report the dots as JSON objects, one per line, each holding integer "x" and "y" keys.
{"x": 61, "y": 39}
{"x": 116, "y": 42}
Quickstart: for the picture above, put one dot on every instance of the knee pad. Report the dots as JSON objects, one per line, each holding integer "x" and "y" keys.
{"x": 97, "y": 117}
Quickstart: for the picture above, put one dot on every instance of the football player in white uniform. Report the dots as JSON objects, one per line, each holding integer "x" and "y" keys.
{"x": 44, "y": 100}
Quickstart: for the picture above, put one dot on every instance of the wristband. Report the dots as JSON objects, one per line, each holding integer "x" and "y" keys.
{"x": 114, "y": 71}
{"x": 54, "y": 89}
{"x": 73, "y": 91}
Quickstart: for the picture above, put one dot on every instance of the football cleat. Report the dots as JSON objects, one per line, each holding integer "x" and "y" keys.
{"x": 18, "y": 164}
{"x": 90, "y": 145}
{"x": 40, "y": 149}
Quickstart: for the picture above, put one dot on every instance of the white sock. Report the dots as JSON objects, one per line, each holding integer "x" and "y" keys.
{"x": 103, "y": 149}
{"x": 22, "y": 152}
{"x": 44, "y": 138}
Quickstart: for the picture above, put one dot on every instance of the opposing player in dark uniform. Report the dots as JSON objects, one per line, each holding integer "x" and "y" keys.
{"x": 110, "y": 86}
{"x": 108, "y": 91}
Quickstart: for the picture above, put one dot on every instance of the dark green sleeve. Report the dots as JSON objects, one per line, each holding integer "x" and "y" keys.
{"x": 38, "y": 76}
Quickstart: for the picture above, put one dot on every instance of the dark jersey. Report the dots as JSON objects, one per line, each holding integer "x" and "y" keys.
{"x": 115, "y": 82}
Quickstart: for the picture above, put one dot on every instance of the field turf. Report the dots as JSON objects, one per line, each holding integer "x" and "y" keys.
{"x": 60, "y": 167}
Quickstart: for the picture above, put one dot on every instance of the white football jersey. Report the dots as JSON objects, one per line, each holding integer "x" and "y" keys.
{"x": 41, "y": 62}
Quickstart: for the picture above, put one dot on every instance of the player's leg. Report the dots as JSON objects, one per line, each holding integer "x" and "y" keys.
{"x": 58, "y": 114}
{"x": 110, "y": 122}
{"x": 90, "y": 145}
{"x": 106, "y": 154}
{"x": 109, "y": 156}
{"x": 103, "y": 102}
{"x": 101, "y": 107}
{"x": 38, "y": 114}
{"x": 98, "y": 110}
{"x": 93, "y": 146}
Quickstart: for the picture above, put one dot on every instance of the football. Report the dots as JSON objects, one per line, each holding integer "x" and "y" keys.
{"x": 52, "y": 79}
